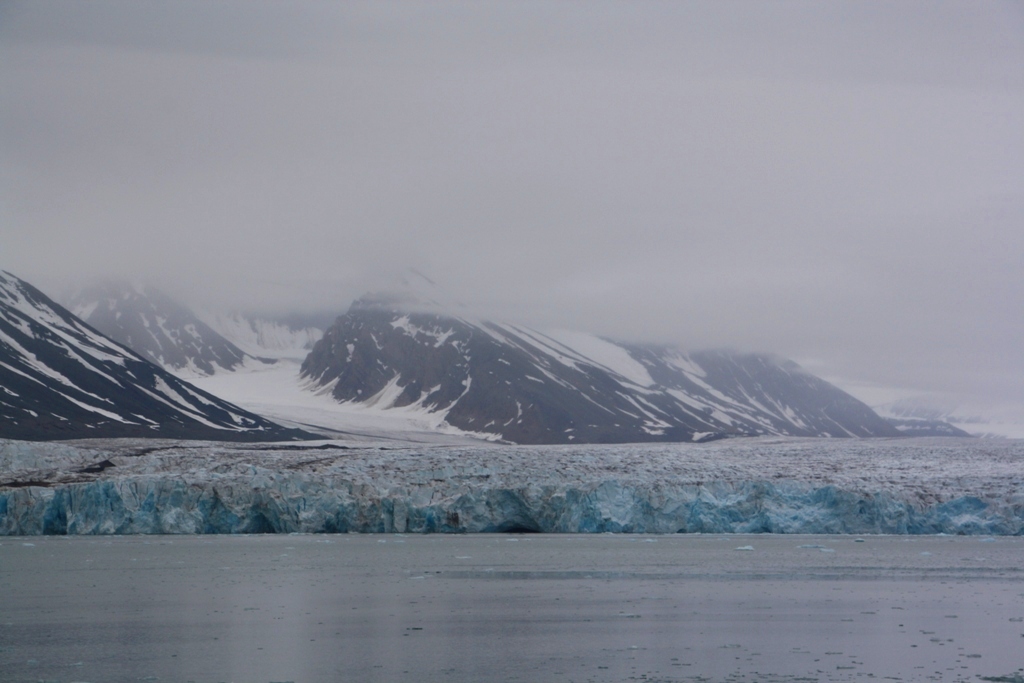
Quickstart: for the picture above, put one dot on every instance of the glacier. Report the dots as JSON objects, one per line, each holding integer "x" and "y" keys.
{"x": 762, "y": 485}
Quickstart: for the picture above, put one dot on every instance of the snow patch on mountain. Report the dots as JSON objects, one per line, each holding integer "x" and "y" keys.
{"x": 263, "y": 337}
{"x": 280, "y": 394}
{"x": 593, "y": 350}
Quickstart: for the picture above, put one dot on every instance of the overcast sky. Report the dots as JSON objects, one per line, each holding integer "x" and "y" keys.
{"x": 839, "y": 183}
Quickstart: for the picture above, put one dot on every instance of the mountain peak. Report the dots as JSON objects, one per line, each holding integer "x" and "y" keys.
{"x": 157, "y": 327}
{"x": 410, "y": 292}
{"x": 62, "y": 379}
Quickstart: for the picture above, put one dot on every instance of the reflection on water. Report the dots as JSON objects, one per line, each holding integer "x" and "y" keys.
{"x": 510, "y": 608}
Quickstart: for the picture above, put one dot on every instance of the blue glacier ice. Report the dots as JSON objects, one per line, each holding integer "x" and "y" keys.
{"x": 779, "y": 486}
{"x": 300, "y": 503}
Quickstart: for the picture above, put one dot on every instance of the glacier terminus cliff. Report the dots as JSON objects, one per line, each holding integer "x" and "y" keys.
{"x": 764, "y": 485}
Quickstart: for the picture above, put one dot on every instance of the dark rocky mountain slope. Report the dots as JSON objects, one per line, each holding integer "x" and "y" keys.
{"x": 157, "y": 328}
{"x": 523, "y": 386}
{"x": 62, "y": 379}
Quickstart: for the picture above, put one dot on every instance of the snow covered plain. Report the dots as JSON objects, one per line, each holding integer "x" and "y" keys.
{"x": 776, "y": 485}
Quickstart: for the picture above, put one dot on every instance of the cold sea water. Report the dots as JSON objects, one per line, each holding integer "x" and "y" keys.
{"x": 312, "y": 608}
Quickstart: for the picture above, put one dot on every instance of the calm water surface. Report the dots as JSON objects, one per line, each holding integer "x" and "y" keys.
{"x": 510, "y": 608}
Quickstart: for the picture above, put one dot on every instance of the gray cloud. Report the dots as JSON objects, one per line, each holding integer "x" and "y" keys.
{"x": 836, "y": 182}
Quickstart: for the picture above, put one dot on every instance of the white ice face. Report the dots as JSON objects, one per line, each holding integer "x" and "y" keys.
{"x": 779, "y": 485}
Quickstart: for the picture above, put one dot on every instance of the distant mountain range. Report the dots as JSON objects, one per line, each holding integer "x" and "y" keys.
{"x": 401, "y": 352}
{"x": 520, "y": 385}
{"x": 935, "y": 416}
{"x": 61, "y": 379}
{"x": 158, "y": 329}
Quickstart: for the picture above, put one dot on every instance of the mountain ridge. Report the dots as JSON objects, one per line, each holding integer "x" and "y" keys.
{"x": 60, "y": 378}
{"x": 520, "y": 385}
{"x": 158, "y": 328}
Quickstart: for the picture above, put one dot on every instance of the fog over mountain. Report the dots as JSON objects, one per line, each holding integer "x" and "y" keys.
{"x": 837, "y": 183}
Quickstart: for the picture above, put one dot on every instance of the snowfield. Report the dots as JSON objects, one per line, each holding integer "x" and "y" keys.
{"x": 774, "y": 485}
{"x": 279, "y": 394}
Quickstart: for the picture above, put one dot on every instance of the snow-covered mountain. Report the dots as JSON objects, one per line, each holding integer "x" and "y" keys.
{"x": 929, "y": 415}
{"x": 265, "y": 337}
{"x": 508, "y": 382}
{"x": 159, "y": 329}
{"x": 62, "y": 379}
{"x": 924, "y": 427}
